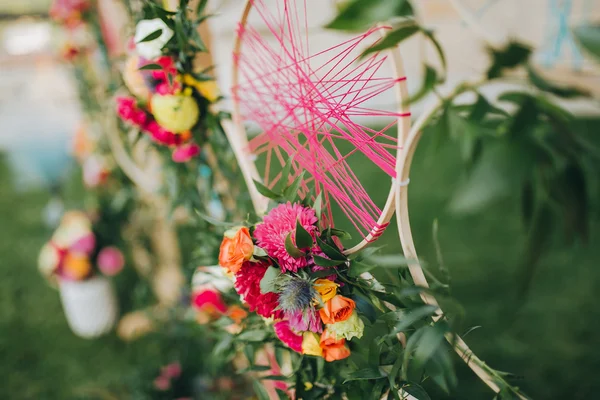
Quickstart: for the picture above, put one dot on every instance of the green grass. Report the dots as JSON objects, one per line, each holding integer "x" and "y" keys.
{"x": 551, "y": 338}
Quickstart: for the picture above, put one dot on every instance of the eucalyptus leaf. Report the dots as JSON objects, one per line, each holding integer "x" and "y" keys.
{"x": 364, "y": 307}
{"x": 252, "y": 336}
{"x": 291, "y": 192}
{"x": 430, "y": 341}
{"x": 415, "y": 390}
{"x": 260, "y": 390}
{"x": 318, "y": 205}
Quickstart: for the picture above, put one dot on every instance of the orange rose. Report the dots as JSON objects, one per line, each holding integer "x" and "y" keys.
{"x": 236, "y": 248}
{"x": 337, "y": 309}
{"x": 333, "y": 349}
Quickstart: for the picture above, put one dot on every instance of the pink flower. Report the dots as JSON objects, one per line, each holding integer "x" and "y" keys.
{"x": 272, "y": 232}
{"x": 185, "y": 152}
{"x": 247, "y": 284}
{"x": 110, "y": 261}
{"x": 300, "y": 323}
{"x": 287, "y": 336}
{"x": 129, "y": 111}
{"x": 171, "y": 371}
{"x": 95, "y": 171}
{"x": 162, "y": 383}
{"x": 85, "y": 244}
{"x": 161, "y": 135}
{"x": 208, "y": 300}
{"x": 159, "y": 79}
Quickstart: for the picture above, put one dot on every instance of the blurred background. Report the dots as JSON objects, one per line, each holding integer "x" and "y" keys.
{"x": 547, "y": 334}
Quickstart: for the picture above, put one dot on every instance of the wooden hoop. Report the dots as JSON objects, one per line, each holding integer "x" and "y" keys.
{"x": 238, "y": 139}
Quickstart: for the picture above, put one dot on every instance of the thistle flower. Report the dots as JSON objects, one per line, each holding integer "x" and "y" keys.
{"x": 296, "y": 295}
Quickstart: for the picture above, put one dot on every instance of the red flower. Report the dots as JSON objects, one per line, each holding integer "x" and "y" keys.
{"x": 161, "y": 135}
{"x": 129, "y": 111}
{"x": 247, "y": 284}
{"x": 287, "y": 336}
{"x": 208, "y": 300}
{"x": 163, "y": 80}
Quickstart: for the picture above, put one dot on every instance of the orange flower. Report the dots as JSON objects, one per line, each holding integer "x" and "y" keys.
{"x": 76, "y": 266}
{"x": 333, "y": 349}
{"x": 237, "y": 314}
{"x": 236, "y": 248}
{"x": 337, "y": 309}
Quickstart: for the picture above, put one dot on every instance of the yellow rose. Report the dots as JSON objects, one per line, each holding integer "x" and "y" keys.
{"x": 326, "y": 288}
{"x": 176, "y": 113}
{"x": 311, "y": 344}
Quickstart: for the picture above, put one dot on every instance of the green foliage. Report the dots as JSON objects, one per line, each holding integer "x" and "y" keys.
{"x": 588, "y": 37}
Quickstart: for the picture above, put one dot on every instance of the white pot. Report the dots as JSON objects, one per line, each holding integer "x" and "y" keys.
{"x": 90, "y": 306}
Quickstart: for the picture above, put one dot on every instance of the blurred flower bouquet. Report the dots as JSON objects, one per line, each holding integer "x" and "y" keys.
{"x": 79, "y": 265}
{"x": 170, "y": 99}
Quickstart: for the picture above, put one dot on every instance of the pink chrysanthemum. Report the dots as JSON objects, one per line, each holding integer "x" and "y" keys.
{"x": 309, "y": 320}
{"x": 276, "y": 226}
{"x": 247, "y": 284}
{"x": 287, "y": 336}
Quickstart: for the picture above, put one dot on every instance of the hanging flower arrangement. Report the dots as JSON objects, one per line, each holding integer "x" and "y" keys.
{"x": 170, "y": 100}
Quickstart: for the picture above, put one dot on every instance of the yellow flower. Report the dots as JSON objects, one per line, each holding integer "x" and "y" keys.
{"x": 176, "y": 113}
{"x": 326, "y": 288}
{"x": 351, "y": 327}
{"x": 208, "y": 89}
{"x": 311, "y": 344}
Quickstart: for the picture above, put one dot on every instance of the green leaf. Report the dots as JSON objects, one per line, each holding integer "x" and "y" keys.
{"x": 201, "y": 7}
{"x": 588, "y": 37}
{"x": 274, "y": 377}
{"x": 154, "y": 35}
{"x": 360, "y": 14}
{"x": 562, "y": 91}
{"x": 343, "y": 235}
{"x": 291, "y": 192}
{"x": 330, "y": 251}
{"x": 267, "y": 283}
{"x": 318, "y": 205}
{"x": 513, "y": 55}
{"x": 364, "y": 307}
{"x": 152, "y": 67}
{"x": 430, "y": 341}
{"x": 303, "y": 238}
{"x": 501, "y": 169}
{"x": 325, "y": 262}
{"x": 365, "y": 374}
{"x": 265, "y": 191}
{"x": 291, "y": 249}
{"x": 252, "y": 336}
{"x": 429, "y": 80}
{"x": 358, "y": 267}
{"x": 260, "y": 390}
{"x": 285, "y": 174}
{"x": 392, "y": 317}
{"x": 413, "y": 316}
{"x": 392, "y": 39}
{"x": 415, "y": 390}
{"x": 438, "y": 48}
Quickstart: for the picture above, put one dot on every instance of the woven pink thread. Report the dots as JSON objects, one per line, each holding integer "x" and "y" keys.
{"x": 307, "y": 104}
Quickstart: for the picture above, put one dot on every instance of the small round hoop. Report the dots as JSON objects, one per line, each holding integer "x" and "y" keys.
{"x": 239, "y": 140}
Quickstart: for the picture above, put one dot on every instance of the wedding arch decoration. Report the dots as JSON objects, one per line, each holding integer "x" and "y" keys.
{"x": 291, "y": 266}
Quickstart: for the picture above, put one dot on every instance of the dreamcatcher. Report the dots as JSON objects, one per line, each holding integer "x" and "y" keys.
{"x": 316, "y": 101}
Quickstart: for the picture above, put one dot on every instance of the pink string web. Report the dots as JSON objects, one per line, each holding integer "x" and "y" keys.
{"x": 311, "y": 105}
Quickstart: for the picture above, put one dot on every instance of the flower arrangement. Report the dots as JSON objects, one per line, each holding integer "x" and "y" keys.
{"x": 286, "y": 268}
{"x": 169, "y": 99}
{"x": 73, "y": 253}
